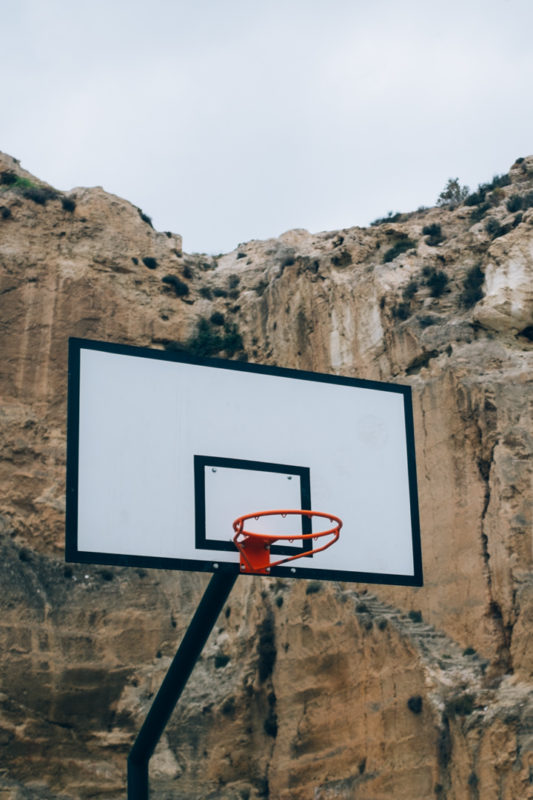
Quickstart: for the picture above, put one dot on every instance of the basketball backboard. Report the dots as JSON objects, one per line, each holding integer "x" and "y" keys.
{"x": 165, "y": 450}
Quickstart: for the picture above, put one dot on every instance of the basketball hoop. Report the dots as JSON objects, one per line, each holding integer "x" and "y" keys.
{"x": 254, "y": 548}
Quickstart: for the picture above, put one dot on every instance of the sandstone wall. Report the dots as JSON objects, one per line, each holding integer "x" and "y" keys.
{"x": 305, "y": 690}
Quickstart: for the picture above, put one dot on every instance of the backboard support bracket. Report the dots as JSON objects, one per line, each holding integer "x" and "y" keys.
{"x": 175, "y": 680}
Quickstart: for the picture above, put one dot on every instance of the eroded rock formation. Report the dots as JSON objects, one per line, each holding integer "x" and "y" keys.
{"x": 305, "y": 690}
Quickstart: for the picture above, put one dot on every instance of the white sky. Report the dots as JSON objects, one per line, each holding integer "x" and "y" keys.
{"x": 229, "y": 120}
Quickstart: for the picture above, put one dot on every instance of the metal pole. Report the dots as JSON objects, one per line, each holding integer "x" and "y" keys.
{"x": 174, "y": 682}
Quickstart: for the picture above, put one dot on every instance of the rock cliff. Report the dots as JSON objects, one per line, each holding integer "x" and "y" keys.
{"x": 305, "y": 691}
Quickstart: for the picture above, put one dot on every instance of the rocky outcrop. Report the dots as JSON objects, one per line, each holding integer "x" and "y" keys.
{"x": 305, "y": 690}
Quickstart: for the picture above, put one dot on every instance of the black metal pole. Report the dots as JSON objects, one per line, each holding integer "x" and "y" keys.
{"x": 174, "y": 682}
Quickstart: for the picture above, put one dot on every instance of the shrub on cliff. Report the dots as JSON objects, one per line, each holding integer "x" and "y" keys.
{"x": 433, "y": 233}
{"x": 453, "y": 194}
{"x": 472, "y": 292}
{"x": 208, "y": 341}
{"x": 400, "y": 247}
{"x": 436, "y": 281}
{"x": 179, "y": 286}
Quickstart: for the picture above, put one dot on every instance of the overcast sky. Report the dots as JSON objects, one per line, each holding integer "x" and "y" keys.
{"x": 230, "y": 120}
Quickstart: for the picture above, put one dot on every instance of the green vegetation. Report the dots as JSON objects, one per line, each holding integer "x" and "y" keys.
{"x": 266, "y": 647}
{"x": 436, "y": 281}
{"x": 494, "y": 228}
{"x": 341, "y": 259}
{"x": 208, "y": 342}
{"x": 479, "y": 212}
{"x": 68, "y": 204}
{"x": 462, "y": 705}
{"x": 179, "y": 286}
{"x": 472, "y": 292}
{"x": 478, "y": 197}
{"x": 453, "y": 194}
{"x": 391, "y": 217}
{"x": 410, "y": 290}
{"x": 434, "y": 234}
{"x": 217, "y": 318}
{"x": 145, "y": 217}
{"x": 415, "y": 616}
{"x": 26, "y": 188}
{"x": 150, "y": 262}
{"x": 414, "y": 704}
{"x": 313, "y": 587}
{"x": 206, "y": 292}
{"x": 401, "y": 311}
{"x": 426, "y": 320}
{"x": 400, "y": 247}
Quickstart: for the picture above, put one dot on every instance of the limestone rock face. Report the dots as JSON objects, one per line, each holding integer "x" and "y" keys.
{"x": 305, "y": 689}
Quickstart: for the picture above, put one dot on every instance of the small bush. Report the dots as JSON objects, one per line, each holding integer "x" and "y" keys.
{"x": 187, "y": 272}
{"x": 266, "y": 647}
{"x": 218, "y": 292}
{"x": 517, "y": 220}
{"x": 469, "y": 651}
{"x": 494, "y": 228}
{"x": 313, "y": 587}
{"x": 473, "y": 780}
{"x": 514, "y": 203}
{"x": 436, "y": 281}
{"x": 68, "y": 204}
{"x": 233, "y": 281}
{"x": 426, "y": 320}
{"x": 414, "y": 704}
{"x": 496, "y": 196}
{"x": 498, "y": 181}
{"x": 221, "y": 660}
{"x": 479, "y": 212}
{"x": 342, "y": 259}
{"x": 8, "y": 178}
{"x": 476, "y": 198}
{"x": 434, "y": 234}
{"x": 38, "y": 194}
{"x": 401, "y": 311}
{"x": 5, "y": 212}
{"x": 206, "y": 292}
{"x": 150, "y": 262}
{"x": 361, "y": 608}
{"x": 462, "y": 705}
{"x": 410, "y": 290}
{"x": 391, "y": 217}
{"x": 145, "y": 217}
{"x": 208, "y": 342}
{"x": 453, "y": 194}
{"x": 415, "y": 616}
{"x": 400, "y": 247}
{"x": 472, "y": 292}
{"x": 217, "y": 318}
{"x": 179, "y": 286}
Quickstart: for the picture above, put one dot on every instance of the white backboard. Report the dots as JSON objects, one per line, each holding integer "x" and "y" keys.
{"x": 166, "y": 450}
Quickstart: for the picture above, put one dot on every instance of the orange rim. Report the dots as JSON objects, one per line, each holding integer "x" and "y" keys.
{"x": 254, "y": 548}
